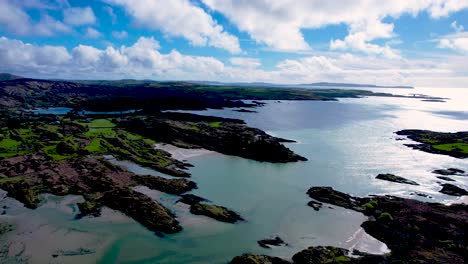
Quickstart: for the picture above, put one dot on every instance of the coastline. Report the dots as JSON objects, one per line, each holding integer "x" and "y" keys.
{"x": 182, "y": 154}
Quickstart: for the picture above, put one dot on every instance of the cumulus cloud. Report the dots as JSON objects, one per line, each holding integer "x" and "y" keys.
{"x": 141, "y": 60}
{"x": 92, "y": 33}
{"x": 457, "y": 42}
{"x": 78, "y": 16}
{"x": 245, "y": 62}
{"x": 144, "y": 60}
{"x": 14, "y": 19}
{"x": 278, "y": 24}
{"x": 180, "y": 18}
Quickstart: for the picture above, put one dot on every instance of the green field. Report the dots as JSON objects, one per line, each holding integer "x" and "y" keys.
{"x": 458, "y": 147}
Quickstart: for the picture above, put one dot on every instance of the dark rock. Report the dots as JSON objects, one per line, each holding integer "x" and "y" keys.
{"x": 267, "y": 243}
{"x": 224, "y": 136}
{"x": 65, "y": 148}
{"x": 315, "y": 205}
{"x": 217, "y": 212}
{"x": 244, "y": 111}
{"x": 89, "y": 208}
{"x": 257, "y": 259}
{"x": 453, "y": 190}
{"x": 394, "y": 178}
{"x": 421, "y": 194}
{"x": 445, "y": 178}
{"x": 23, "y": 192}
{"x": 171, "y": 186}
{"x": 328, "y": 195}
{"x": 143, "y": 209}
{"x": 449, "y": 172}
{"x": 322, "y": 255}
{"x": 412, "y": 229}
{"x": 191, "y": 199}
{"x": 433, "y": 100}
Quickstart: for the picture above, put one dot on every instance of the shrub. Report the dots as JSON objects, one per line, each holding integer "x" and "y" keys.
{"x": 385, "y": 216}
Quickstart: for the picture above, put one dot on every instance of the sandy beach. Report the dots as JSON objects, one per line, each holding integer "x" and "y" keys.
{"x": 181, "y": 153}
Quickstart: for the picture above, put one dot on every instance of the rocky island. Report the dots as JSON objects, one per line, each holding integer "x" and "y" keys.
{"x": 451, "y": 144}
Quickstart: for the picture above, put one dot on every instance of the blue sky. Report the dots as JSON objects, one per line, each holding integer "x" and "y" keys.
{"x": 421, "y": 43}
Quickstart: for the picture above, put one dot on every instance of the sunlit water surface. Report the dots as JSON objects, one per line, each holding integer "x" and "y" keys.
{"x": 347, "y": 142}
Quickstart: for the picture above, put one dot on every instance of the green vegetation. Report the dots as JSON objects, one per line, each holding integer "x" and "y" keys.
{"x": 101, "y": 123}
{"x": 370, "y": 206}
{"x": 11, "y": 180}
{"x": 456, "y": 147}
{"x": 216, "y": 212}
{"x": 215, "y": 124}
{"x": 73, "y": 139}
{"x": 452, "y": 144}
{"x": 385, "y": 216}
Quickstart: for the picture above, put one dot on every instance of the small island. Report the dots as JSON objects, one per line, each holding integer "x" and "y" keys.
{"x": 451, "y": 144}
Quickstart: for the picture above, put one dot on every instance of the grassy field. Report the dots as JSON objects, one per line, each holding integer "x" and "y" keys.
{"x": 459, "y": 147}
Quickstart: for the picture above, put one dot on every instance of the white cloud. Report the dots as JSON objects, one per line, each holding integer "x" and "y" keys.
{"x": 144, "y": 60}
{"x": 441, "y": 8}
{"x": 92, "y": 33}
{"x": 457, "y": 42}
{"x": 245, "y": 62}
{"x": 120, "y": 34}
{"x": 278, "y": 24}
{"x": 456, "y": 27}
{"x": 141, "y": 60}
{"x": 180, "y": 18}
{"x": 17, "y": 55}
{"x": 78, "y": 16}
{"x": 17, "y": 21}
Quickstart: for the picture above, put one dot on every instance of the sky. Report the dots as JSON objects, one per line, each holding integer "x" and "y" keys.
{"x": 423, "y": 43}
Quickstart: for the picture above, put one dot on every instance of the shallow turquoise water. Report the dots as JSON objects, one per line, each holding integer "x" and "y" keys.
{"x": 347, "y": 143}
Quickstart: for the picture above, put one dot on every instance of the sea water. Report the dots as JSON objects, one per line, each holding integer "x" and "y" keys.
{"x": 347, "y": 142}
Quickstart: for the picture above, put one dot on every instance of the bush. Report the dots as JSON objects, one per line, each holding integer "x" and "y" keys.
{"x": 371, "y": 205}
{"x": 385, "y": 216}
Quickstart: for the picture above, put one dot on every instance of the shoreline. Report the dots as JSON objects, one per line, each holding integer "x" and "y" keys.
{"x": 182, "y": 154}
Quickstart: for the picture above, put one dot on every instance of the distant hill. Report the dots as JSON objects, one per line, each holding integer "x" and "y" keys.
{"x": 131, "y": 82}
{"x": 8, "y": 77}
{"x": 329, "y": 84}
{"x": 310, "y": 85}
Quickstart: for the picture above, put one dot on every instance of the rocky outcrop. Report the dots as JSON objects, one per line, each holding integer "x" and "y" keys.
{"x": 450, "y": 172}
{"x": 415, "y": 232}
{"x": 143, "y": 209}
{"x": 257, "y": 259}
{"x": 445, "y": 178}
{"x": 191, "y": 199}
{"x": 453, "y": 190}
{"x": 428, "y": 232}
{"x": 223, "y": 136}
{"x": 217, "y": 212}
{"x": 171, "y": 186}
{"x": 100, "y": 183}
{"x": 451, "y": 144}
{"x": 394, "y": 178}
{"x": 269, "y": 242}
